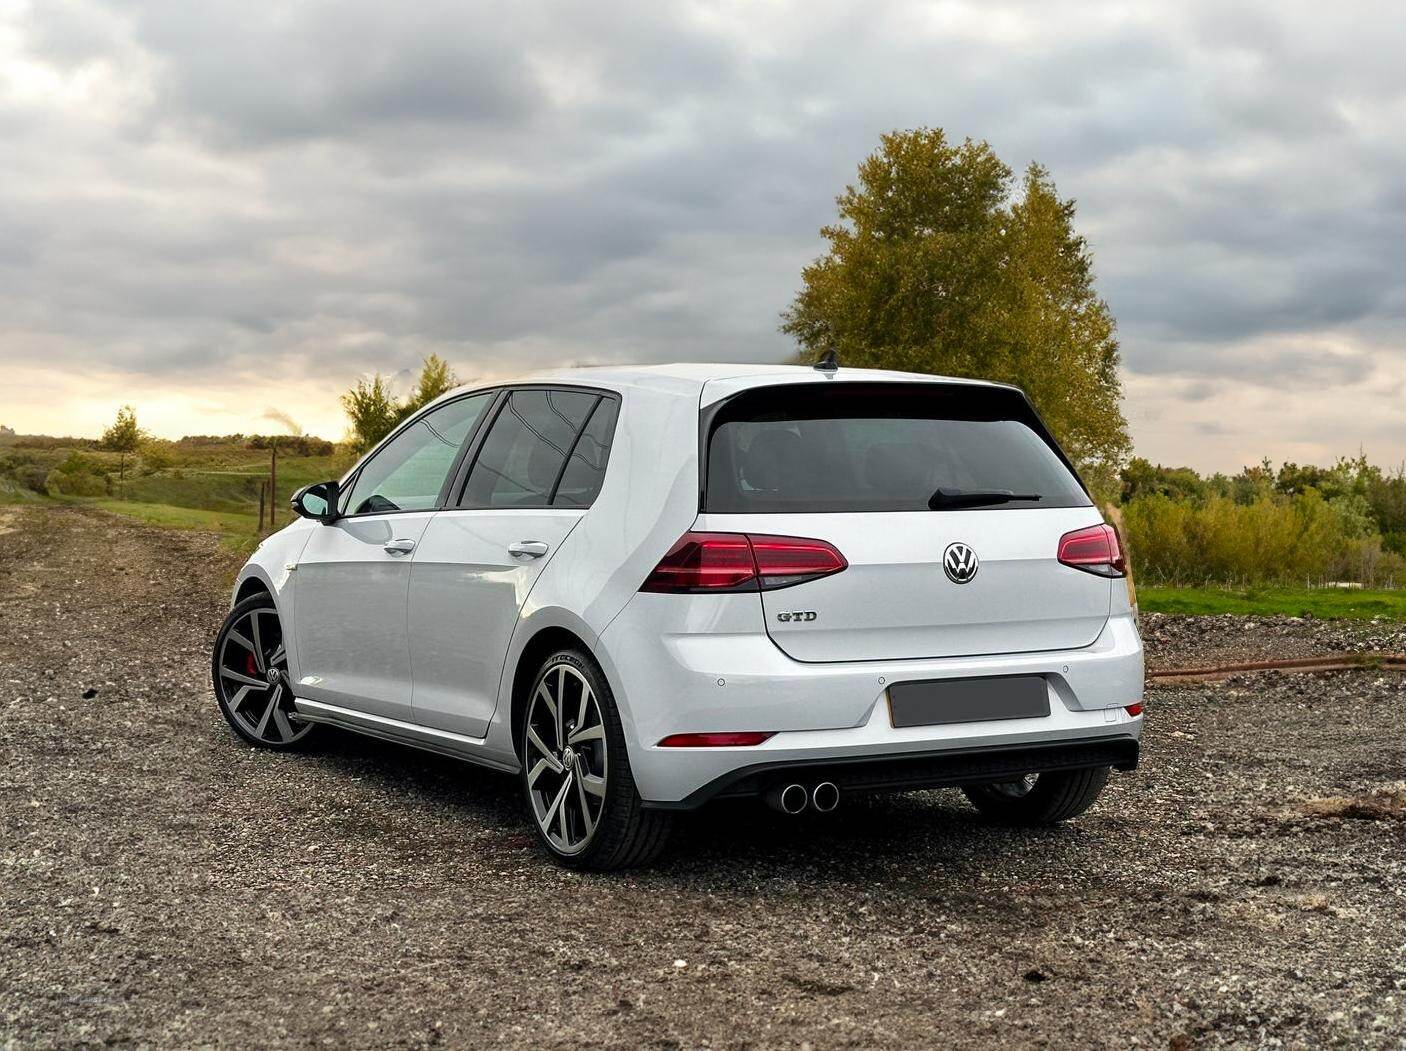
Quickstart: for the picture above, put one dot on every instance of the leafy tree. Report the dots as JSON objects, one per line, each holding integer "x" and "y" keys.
{"x": 1142, "y": 478}
{"x": 436, "y": 377}
{"x": 1253, "y": 484}
{"x": 1387, "y": 495}
{"x": 1353, "y": 476}
{"x": 124, "y": 437}
{"x": 934, "y": 266}
{"x": 372, "y": 411}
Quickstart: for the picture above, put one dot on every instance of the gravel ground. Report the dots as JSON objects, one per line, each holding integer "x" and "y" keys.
{"x": 1180, "y": 642}
{"x": 163, "y": 886}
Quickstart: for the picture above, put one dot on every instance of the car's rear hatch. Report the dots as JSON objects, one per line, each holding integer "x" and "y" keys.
{"x": 968, "y": 572}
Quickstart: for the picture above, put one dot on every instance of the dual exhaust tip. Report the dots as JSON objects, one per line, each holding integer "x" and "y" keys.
{"x": 821, "y": 797}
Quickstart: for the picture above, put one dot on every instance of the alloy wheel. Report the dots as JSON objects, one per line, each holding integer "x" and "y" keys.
{"x": 564, "y": 754}
{"x": 253, "y": 678}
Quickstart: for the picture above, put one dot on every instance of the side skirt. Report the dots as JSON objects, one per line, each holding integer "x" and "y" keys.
{"x": 425, "y": 738}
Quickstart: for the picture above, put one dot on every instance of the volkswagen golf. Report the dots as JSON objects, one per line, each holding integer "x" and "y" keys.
{"x": 642, "y": 589}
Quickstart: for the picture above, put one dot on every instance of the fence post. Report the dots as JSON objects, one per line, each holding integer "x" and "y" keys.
{"x": 273, "y": 482}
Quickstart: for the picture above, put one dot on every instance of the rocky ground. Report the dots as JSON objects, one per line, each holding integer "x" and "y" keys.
{"x": 1182, "y": 642}
{"x": 161, "y": 885}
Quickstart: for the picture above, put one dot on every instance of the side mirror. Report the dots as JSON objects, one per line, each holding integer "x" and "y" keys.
{"x": 317, "y": 501}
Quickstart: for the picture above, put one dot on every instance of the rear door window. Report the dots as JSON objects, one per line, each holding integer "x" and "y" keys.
{"x": 881, "y": 447}
{"x": 523, "y": 456}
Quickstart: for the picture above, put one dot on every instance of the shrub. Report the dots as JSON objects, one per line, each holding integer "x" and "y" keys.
{"x": 1271, "y": 539}
{"x": 293, "y": 444}
{"x": 78, "y": 475}
{"x": 156, "y": 455}
{"x": 32, "y": 476}
{"x": 24, "y": 471}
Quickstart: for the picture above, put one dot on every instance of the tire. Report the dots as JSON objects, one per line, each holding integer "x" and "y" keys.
{"x": 1046, "y": 800}
{"x": 580, "y": 792}
{"x": 249, "y": 671}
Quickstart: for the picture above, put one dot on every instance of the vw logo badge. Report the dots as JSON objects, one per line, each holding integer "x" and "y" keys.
{"x": 960, "y": 562}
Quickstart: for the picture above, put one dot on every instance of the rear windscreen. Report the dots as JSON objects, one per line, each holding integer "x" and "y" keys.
{"x": 880, "y": 447}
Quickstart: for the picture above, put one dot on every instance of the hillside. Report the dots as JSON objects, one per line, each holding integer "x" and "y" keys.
{"x": 198, "y": 482}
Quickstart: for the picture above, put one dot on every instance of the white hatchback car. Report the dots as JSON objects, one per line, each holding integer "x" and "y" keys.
{"x": 641, "y": 589}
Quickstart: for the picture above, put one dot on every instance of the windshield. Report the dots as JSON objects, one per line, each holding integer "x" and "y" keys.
{"x": 882, "y": 447}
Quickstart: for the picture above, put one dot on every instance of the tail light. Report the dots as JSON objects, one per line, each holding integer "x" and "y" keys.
{"x": 786, "y": 560}
{"x": 703, "y": 562}
{"x": 1094, "y": 550}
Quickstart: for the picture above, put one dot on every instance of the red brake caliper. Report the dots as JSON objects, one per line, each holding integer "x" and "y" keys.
{"x": 250, "y": 667}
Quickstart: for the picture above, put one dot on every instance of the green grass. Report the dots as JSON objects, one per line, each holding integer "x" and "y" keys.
{"x": 1324, "y": 603}
{"x": 236, "y": 531}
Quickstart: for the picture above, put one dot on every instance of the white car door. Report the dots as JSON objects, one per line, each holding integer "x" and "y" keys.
{"x": 354, "y": 572}
{"x": 530, "y": 480}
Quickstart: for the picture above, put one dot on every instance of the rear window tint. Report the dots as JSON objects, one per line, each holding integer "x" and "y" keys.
{"x": 585, "y": 467}
{"x": 522, "y": 456}
{"x": 879, "y": 447}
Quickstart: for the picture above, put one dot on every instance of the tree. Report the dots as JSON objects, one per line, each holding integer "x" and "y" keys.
{"x": 124, "y": 436}
{"x": 372, "y": 410}
{"x": 436, "y": 377}
{"x": 935, "y": 267}
{"x": 1142, "y": 478}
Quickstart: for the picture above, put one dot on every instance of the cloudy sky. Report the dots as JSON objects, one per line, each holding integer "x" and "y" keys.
{"x": 220, "y": 208}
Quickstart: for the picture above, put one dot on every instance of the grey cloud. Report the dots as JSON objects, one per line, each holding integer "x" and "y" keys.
{"x": 1216, "y": 369}
{"x": 321, "y": 188}
{"x": 250, "y": 76}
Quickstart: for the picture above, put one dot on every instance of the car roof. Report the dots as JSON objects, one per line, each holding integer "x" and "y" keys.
{"x": 722, "y": 378}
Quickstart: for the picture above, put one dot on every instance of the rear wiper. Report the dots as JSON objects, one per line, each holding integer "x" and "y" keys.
{"x": 945, "y": 498}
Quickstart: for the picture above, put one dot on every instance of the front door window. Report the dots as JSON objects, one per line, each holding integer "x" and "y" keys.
{"x": 407, "y": 473}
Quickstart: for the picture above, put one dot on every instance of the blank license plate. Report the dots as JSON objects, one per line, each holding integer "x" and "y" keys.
{"x": 968, "y": 700}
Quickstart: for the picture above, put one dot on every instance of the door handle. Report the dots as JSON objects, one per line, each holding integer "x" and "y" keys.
{"x": 398, "y": 547}
{"x": 527, "y": 549}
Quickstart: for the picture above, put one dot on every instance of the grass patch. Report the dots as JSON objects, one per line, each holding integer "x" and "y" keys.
{"x": 1324, "y": 603}
{"x": 236, "y": 530}
{"x": 230, "y": 481}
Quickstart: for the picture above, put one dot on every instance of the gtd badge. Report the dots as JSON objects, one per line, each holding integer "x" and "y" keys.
{"x": 960, "y": 562}
{"x": 789, "y": 618}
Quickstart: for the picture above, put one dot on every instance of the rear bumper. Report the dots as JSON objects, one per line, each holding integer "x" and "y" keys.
{"x": 903, "y": 773}
{"x": 709, "y": 670}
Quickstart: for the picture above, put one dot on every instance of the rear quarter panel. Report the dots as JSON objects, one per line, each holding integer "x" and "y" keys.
{"x": 648, "y": 500}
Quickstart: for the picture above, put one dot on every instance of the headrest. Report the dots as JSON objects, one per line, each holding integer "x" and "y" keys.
{"x": 898, "y": 467}
{"x": 774, "y": 458}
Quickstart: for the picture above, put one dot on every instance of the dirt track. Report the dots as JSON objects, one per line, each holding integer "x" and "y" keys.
{"x": 161, "y": 885}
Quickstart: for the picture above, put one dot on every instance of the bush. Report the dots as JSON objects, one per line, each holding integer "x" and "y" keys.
{"x": 293, "y": 444}
{"x": 61, "y": 483}
{"x": 32, "y": 476}
{"x": 44, "y": 441}
{"x": 1272, "y": 539}
{"x": 156, "y": 455}
{"x": 25, "y": 471}
{"x": 78, "y": 475}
